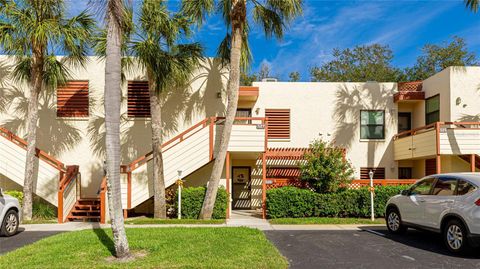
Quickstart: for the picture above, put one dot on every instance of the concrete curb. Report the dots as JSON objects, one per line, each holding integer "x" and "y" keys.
{"x": 76, "y": 226}
{"x": 325, "y": 227}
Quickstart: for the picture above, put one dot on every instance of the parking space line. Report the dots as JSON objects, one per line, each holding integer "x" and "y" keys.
{"x": 374, "y": 232}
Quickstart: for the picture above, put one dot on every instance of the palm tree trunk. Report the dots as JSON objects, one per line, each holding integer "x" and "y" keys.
{"x": 232, "y": 99}
{"x": 32, "y": 120}
{"x": 159, "y": 202}
{"x": 112, "y": 97}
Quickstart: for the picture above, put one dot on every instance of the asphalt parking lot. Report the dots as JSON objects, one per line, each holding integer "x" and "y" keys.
{"x": 22, "y": 238}
{"x": 370, "y": 248}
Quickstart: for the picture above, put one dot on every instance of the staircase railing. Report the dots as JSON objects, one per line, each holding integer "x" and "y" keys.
{"x": 69, "y": 191}
{"x": 103, "y": 200}
{"x": 209, "y": 122}
{"x": 39, "y": 153}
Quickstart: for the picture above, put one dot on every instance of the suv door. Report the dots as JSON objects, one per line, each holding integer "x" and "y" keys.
{"x": 412, "y": 207}
{"x": 441, "y": 200}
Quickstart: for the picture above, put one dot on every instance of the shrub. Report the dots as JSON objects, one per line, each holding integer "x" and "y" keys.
{"x": 291, "y": 202}
{"x": 325, "y": 169}
{"x": 16, "y": 194}
{"x": 42, "y": 210}
{"x": 192, "y": 201}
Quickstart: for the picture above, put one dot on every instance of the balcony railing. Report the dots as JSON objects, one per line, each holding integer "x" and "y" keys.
{"x": 448, "y": 138}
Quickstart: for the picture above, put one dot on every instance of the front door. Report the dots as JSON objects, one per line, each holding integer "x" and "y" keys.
{"x": 241, "y": 187}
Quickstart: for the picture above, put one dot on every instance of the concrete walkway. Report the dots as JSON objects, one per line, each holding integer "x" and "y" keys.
{"x": 247, "y": 218}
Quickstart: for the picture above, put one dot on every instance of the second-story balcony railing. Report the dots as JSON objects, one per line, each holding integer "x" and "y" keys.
{"x": 439, "y": 138}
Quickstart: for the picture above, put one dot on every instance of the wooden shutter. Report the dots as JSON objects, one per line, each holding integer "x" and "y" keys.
{"x": 72, "y": 99}
{"x": 278, "y": 123}
{"x": 378, "y": 172}
{"x": 138, "y": 99}
{"x": 430, "y": 167}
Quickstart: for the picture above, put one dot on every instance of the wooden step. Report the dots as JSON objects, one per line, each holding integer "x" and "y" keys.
{"x": 87, "y": 207}
{"x": 85, "y": 211}
{"x": 84, "y": 218}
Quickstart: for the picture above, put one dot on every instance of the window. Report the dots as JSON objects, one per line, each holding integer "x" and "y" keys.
{"x": 378, "y": 172}
{"x": 72, "y": 100}
{"x": 372, "y": 124}
{"x": 432, "y": 109}
{"x": 423, "y": 187}
{"x": 138, "y": 99}
{"x": 404, "y": 121}
{"x": 445, "y": 187}
{"x": 465, "y": 187}
{"x": 278, "y": 123}
{"x": 405, "y": 173}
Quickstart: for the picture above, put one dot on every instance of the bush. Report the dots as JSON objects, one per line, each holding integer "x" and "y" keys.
{"x": 192, "y": 201}
{"x": 325, "y": 169}
{"x": 16, "y": 194}
{"x": 40, "y": 208}
{"x": 291, "y": 202}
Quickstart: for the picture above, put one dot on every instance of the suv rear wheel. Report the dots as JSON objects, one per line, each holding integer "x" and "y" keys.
{"x": 394, "y": 221}
{"x": 10, "y": 223}
{"x": 455, "y": 236}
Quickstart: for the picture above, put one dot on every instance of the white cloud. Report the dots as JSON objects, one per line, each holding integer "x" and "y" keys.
{"x": 354, "y": 24}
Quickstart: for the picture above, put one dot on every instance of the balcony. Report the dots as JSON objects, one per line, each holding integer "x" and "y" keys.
{"x": 440, "y": 138}
{"x": 248, "y": 134}
{"x": 409, "y": 91}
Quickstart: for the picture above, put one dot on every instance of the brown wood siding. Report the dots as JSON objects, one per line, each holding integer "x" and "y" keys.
{"x": 138, "y": 99}
{"x": 278, "y": 123}
{"x": 430, "y": 167}
{"x": 72, "y": 100}
{"x": 378, "y": 172}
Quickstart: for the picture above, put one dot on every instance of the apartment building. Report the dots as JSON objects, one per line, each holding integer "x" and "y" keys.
{"x": 399, "y": 131}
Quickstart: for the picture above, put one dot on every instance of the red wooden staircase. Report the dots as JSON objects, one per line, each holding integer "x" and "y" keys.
{"x": 85, "y": 210}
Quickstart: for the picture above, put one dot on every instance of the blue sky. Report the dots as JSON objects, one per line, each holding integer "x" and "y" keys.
{"x": 404, "y": 25}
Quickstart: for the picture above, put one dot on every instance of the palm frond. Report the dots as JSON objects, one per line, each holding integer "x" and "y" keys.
{"x": 274, "y": 15}
{"x": 472, "y": 5}
{"x": 197, "y": 10}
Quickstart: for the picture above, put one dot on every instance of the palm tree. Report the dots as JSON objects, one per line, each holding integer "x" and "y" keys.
{"x": 32, "y": 31}
{"x": 272, "y": 16}
{"x": 168, "y": 65}
{"x": 116, "y": 15}
{"x": 472, "y": 4}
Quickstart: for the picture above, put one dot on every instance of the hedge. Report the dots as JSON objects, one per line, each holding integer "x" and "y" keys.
{"x": 291, "y": 202}
{"x": 16, "y": 194}
{"x": 192, "y": 201}
{"x": 40, "y": 208}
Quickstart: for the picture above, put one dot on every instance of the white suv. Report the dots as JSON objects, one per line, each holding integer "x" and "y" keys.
{"x": 446, "y": 203}
{"x": 9, "y": 214}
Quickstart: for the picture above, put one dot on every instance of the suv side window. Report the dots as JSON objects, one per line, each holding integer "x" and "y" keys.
{"x": 445, "y": 187}
{"x": 423, "y": 187}
{"x": 465, "y": 187}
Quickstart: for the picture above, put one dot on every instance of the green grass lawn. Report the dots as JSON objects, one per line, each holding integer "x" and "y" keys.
{"x": 164, "y": 248}
{"x": 326, "y": 221}
{"x": 145, "y": 220}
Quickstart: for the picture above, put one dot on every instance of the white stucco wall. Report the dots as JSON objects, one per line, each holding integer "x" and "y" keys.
{"x": 331, "y": 111}
{"x": 80, "y": 141}
{"x": 465, "y": 88}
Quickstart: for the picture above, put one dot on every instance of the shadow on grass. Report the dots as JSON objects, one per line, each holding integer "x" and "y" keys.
{"x": 105, "y": 240}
